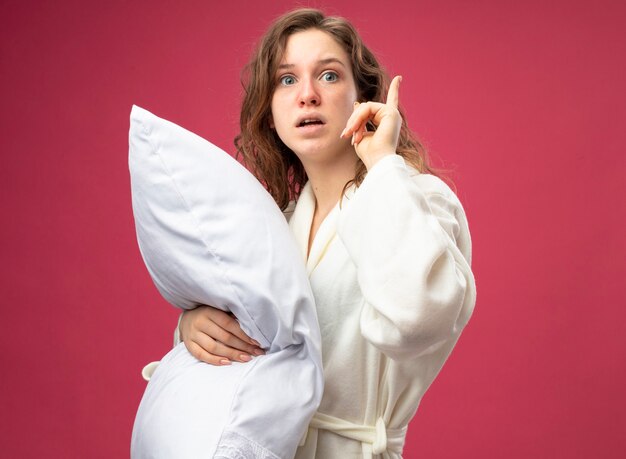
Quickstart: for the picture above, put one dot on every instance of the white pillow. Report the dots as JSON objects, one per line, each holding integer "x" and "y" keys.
{"x": 210, "y": 234}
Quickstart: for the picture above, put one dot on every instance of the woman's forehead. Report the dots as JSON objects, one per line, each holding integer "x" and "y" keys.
{"x": 312, "y": 45}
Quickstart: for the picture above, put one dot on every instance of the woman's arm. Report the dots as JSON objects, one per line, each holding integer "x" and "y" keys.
{"x": 215, "y": 337}
{"x": 408, "y": 237}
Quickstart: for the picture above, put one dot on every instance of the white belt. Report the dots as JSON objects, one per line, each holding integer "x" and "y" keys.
{"x": 381, "y": 438}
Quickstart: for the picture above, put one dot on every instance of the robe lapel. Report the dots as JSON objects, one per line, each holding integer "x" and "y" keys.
{"x": 300, "y": 222}
{"x": 324, "y": 236}
{"x": 300, "y": 225}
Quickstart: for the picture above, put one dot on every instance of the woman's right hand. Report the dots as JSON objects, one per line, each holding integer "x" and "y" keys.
{"x": 215, "y": 337}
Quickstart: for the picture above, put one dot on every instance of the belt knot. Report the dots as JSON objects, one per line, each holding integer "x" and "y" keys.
{"x": 379, "y": 437}
{"x": 379, "y": 445}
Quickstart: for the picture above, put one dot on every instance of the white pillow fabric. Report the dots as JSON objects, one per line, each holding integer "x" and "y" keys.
{"x": 210, "y": 234}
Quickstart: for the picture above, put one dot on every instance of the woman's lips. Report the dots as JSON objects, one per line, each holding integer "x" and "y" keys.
{"x": 309, "y": 124}
{"x": 310, "y": 128}
{"x": 308, "y": 121}
{"x": 309, "y": 118}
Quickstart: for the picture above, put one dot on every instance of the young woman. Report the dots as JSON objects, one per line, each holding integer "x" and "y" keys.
{"x": 385, "y": 242}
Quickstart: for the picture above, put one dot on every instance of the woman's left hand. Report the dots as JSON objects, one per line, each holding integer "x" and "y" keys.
{"x": 373, "y": 146}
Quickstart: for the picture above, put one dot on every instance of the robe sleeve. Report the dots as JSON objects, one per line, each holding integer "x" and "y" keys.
{"x": 408, "y": 237}
{"x": 177, "y": 339}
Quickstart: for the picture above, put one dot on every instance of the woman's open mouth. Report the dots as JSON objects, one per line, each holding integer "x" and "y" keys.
{"x": 309, "y": 124}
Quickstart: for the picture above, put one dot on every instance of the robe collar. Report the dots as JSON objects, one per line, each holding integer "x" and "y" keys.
{"x": 300, "y": 225}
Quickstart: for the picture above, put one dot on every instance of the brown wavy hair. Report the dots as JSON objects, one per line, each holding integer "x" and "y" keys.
{"x": 258, "y": 145}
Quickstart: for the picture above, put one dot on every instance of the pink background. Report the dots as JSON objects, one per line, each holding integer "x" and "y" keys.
{"x": 525, "y": 101}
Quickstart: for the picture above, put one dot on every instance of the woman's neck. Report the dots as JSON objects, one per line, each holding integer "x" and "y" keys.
{"x": 327, "y": 183}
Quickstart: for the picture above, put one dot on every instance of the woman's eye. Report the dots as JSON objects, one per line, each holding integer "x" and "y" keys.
{"x": 330, "y": 77}
{"x": 287, "y": 80}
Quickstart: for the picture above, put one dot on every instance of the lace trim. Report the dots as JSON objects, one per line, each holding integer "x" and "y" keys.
{"x": 235, "y": 446}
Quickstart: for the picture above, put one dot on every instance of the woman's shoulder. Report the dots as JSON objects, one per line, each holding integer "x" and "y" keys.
{"x": 431, "y": 184}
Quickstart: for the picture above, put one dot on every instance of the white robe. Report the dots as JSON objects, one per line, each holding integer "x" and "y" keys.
{"x": 390, "y": 272}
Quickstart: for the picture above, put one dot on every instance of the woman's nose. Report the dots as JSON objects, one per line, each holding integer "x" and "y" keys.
{"x": 308, "y": 94}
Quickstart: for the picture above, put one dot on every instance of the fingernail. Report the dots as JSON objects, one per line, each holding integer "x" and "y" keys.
{"x": 245, "y": 357}
{"x": 224, "y": 362}
{"x": 258, "y": 352}
{"x": 255, "y": 342}
{"x": 352, "y": 140}
{"x": 342, "y": 133}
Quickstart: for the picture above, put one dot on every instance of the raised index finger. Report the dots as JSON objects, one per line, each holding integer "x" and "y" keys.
{"x": 392, "y": 95}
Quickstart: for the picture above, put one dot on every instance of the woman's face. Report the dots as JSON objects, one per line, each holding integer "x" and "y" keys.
{"x": 314, "y": 97}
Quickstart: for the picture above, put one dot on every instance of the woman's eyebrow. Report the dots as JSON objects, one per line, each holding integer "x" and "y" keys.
{"x": 330, "y": 60}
